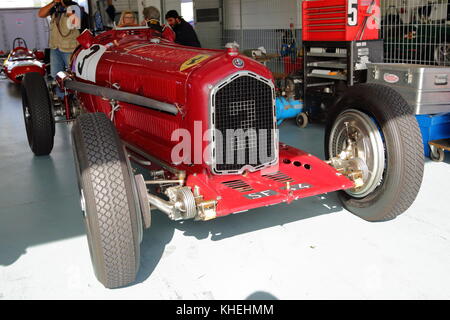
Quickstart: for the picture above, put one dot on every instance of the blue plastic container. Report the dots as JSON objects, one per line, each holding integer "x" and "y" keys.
{"x": 434, "y": 127}
{"x": 287, "y": 109}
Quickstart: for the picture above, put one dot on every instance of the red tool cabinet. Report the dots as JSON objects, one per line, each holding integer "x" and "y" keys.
{"x": 341, "y": 20}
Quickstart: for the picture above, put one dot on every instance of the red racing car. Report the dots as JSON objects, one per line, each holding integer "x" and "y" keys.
{"x": 21, "y": 61}
{"x": 202, "y": 122}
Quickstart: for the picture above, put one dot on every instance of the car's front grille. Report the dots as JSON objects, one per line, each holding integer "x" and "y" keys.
{"x": 243, "y": 117}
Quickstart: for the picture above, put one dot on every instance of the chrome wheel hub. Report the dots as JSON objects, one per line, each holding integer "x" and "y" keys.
{"x": 357, "y": 150}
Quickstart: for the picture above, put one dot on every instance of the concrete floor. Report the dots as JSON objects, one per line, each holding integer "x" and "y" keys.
{"x": 312, "y": 249}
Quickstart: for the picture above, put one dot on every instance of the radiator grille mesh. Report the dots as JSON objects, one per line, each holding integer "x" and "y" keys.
{"x": 244, "y": 116}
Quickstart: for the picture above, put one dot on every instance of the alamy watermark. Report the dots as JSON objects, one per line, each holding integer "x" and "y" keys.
{"x": 231, "y": 147}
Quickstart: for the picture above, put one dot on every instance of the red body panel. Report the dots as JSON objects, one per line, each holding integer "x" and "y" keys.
{"x": 22, "y": 61}
{"x": 158, "y": 71}
{"x": 335, "y": 20}
{"x": 269, "y": 187}
{"x": 153, "y": 70}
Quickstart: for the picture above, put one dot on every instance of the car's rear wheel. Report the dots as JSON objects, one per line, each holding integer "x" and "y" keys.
{"x": 377, "y": 126}
{"x": 108, "y": 202}
{"x": 38, "y": 114}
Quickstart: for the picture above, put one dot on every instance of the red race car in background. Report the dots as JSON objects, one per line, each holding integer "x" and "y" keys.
{"x": 21, "y": 61}
{"x": 178, "y": 112}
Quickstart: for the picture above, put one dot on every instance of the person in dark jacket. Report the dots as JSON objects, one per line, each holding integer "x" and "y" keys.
{"x": 111, "y": 10}
{"x": 185, "y": 33}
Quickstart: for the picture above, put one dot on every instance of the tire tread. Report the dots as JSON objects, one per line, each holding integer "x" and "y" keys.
{"x": 112, "y": 204}
{"x": 411, "y": 139}
{"x": 35, "y": 88}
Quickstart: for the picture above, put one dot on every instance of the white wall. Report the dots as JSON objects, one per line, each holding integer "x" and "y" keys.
{"x": 262, "y": 14}
{"x": 22, "y": 23}
{"x": 209, "y": 33}
{"x": 172, "y": 5}
{"x": 162, "y": 5}
{"x": 123, "y": 5}
{"x": 257, "y": 14}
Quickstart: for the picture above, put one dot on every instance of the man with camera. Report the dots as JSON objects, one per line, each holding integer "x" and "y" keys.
{"x": 63, "y": 33}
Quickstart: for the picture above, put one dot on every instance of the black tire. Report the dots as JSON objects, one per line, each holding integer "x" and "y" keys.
{"x": 38, "y": 114}
{"x": 403, "y": 149}
{"x": 142, "y": 191}
{"x": 302, "y": 120}
{"x": 110, "y": 208}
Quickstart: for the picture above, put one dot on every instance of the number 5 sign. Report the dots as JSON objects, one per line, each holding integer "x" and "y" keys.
{"x": 352, "y": 13}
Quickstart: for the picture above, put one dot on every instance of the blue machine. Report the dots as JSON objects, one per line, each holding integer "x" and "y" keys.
{"x": 291, "y": 108}
{"x": 434, "y": 127}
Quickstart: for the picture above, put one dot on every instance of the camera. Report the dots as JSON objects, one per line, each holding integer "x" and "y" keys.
{"x": 60, "y": 8}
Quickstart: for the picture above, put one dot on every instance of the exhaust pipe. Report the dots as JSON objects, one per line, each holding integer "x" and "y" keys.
{"x": 112, "y": 94}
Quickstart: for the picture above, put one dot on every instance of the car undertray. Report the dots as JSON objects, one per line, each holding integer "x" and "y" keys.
{"x": 298, "y": 175}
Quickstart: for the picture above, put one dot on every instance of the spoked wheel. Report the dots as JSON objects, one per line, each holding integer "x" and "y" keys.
{"x": 373, "y": 128}
{"x": 355, "y": 130}
{"x": 38, "y": 114}
{"x": 108, "y": 200}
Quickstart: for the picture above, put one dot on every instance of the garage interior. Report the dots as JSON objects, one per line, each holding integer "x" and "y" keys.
{"x": 311, "y": 249}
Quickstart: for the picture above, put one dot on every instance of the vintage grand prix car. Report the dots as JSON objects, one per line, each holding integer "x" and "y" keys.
{"x": 21, "y": 61}
{"x": 202, "y": 122}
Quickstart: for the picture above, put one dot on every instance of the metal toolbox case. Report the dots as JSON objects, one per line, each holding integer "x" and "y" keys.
{"x": 426, "y": 88}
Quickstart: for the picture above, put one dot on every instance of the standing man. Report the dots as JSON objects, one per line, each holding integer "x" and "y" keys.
{"x": 111, "y": 11}
{"x": 63, "y": 35}
{"x": 185, "y": 34}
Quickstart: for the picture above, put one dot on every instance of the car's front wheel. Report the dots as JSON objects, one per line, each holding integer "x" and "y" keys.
{"x": 373, "y": 128}
{"x": 108, "y": 200}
